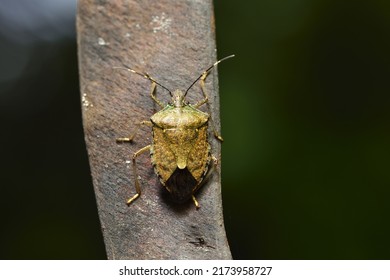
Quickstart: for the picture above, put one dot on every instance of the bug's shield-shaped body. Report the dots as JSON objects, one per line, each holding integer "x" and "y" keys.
{"x": 180, "y": 151}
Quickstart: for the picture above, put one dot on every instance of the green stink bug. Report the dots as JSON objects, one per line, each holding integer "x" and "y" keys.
{"x": 180, "y": 151}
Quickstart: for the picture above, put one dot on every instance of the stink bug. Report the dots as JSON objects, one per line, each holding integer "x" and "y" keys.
{"x": 180, "y": 151}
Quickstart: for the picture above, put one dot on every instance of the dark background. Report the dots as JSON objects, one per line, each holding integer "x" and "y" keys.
{"x": 305, "y": 118}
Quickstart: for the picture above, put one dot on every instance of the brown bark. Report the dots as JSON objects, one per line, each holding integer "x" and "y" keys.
{"x": 174, "y": 42}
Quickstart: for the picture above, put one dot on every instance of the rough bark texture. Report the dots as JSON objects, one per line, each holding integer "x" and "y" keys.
{"x": 174, "y": 42}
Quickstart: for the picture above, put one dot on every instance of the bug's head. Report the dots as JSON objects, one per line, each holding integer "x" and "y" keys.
{"x": 178, "y": 99}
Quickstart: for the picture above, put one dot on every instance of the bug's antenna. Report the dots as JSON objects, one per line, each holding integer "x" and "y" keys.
{"x": 205, "y": 73}
{"x": 145, "y": 75}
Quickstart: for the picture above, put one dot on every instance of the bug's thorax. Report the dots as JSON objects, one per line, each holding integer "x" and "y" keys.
{"x": 179, "y": 114}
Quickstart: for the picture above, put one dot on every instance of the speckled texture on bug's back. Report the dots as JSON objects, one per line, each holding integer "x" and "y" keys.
{"x": 180, "y": 142}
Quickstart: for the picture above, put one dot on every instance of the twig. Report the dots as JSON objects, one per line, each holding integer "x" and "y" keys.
{"x": 174, "y": 42}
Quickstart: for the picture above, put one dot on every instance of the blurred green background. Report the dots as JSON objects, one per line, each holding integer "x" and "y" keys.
{"x": 305, "y": 118}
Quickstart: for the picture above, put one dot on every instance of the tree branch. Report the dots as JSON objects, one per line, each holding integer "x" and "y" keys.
{"x": 174, "y": 42}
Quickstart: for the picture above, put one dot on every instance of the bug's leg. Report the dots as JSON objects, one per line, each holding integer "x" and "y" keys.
{"x": 152, "y": 94}
{"x": 130, "y": 138}
{"x": 205, "y": 100}
{"x": 135, "y": 172}
{"x": 208, "y": 174}
{"x": 154, "y": 83}
{"x": 195, "y": 202}
{"x": 215, "y": 161}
